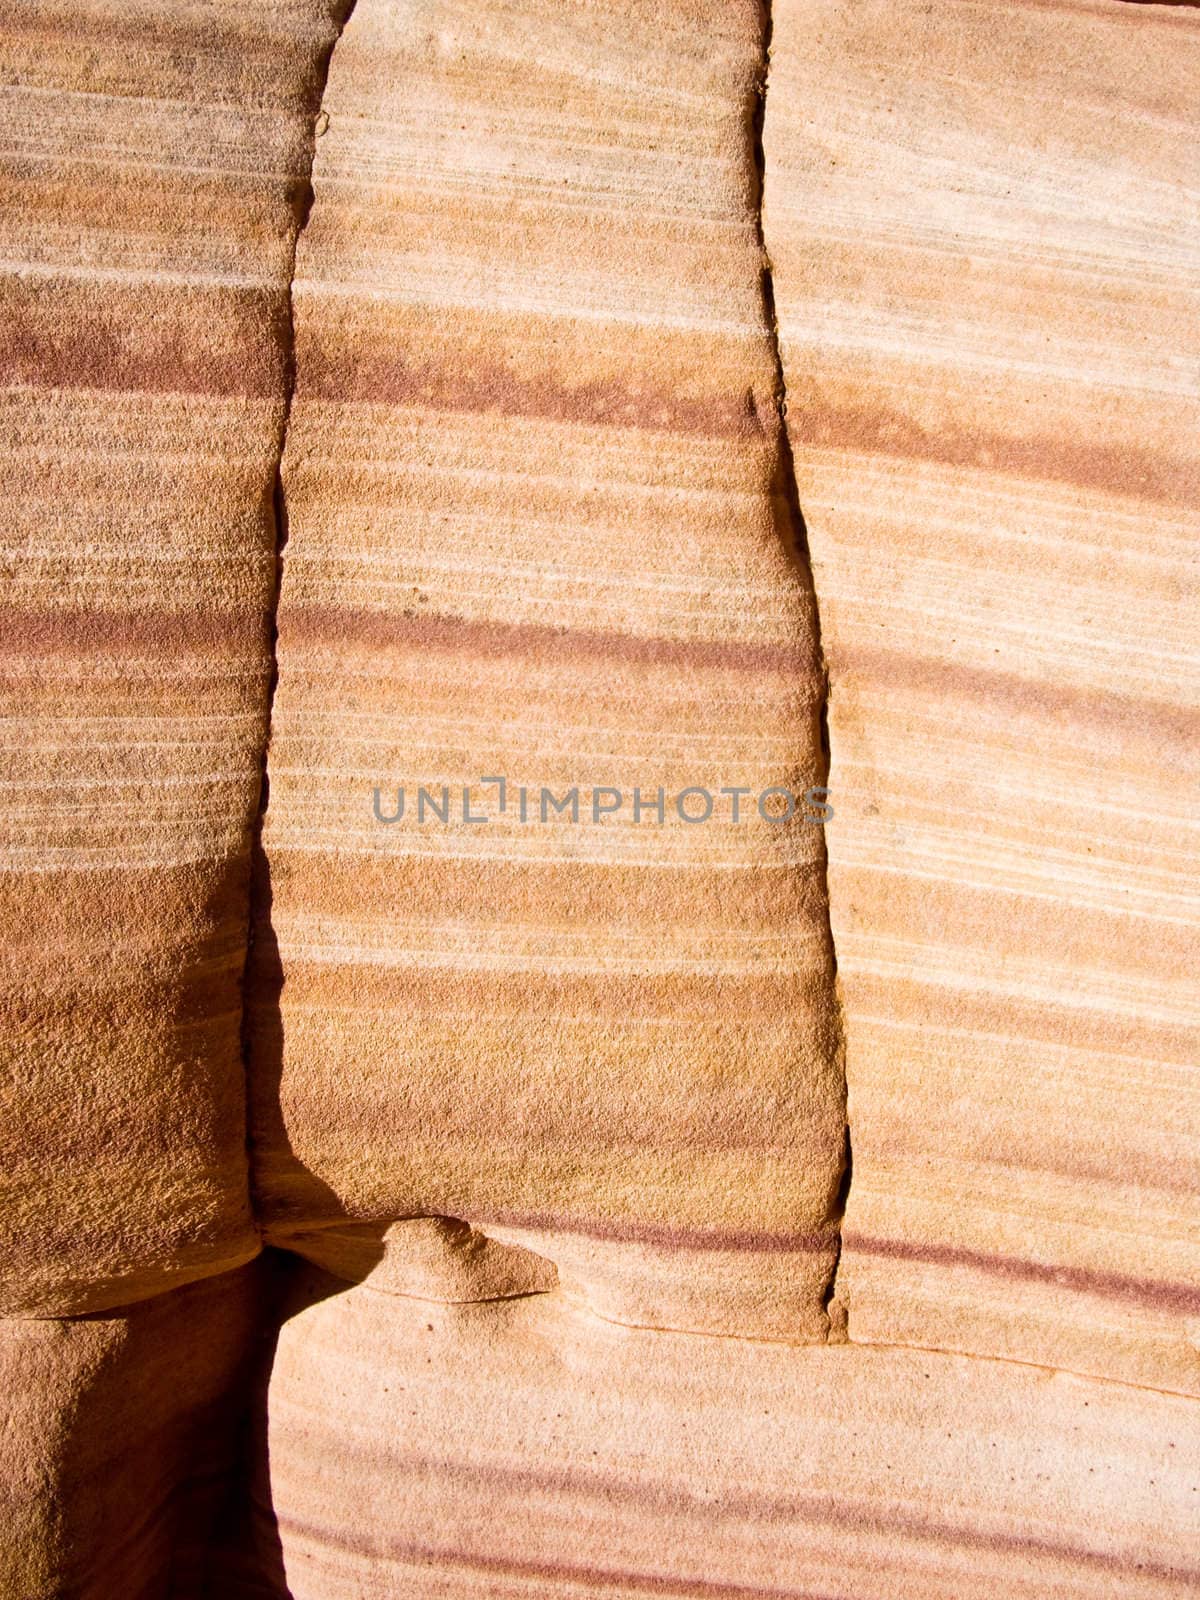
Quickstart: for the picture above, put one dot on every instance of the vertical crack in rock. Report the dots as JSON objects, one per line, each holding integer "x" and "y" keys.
{"x": 302, "y": 201}
{"x": 794, "y": 521}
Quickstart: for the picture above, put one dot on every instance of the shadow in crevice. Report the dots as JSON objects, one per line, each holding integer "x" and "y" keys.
{"x": 246, "y": 1559}
{"x": 316, "y": 1249}
{"x": 288, "y": 1197}
{"x": 835, "y": 1305}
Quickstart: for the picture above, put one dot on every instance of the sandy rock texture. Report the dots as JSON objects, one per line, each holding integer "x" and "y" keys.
{"x": 546, "y": 1112}
{"x": 527, "y": 1448}
{"x": 121, "y": 1431}
{"x": 538, "y": 530}
{"x": 982, "y": 223}
{"x": 152, "y": 165}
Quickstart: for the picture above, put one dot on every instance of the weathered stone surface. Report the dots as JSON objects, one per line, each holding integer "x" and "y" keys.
{"x": 119, "y": 1432}
{"x": 527, "y": 1449}
{"x": 508, "y": 1075}
{"x": 537, "y": 529}
{"x": 151, "y": 165}
{"x": 983, "y": 227}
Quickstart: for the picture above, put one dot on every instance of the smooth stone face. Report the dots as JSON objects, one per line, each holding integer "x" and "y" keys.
{"x": 150, "y": 159}
{"x": 537, "y": 530}
{"x": 120, "y": 1432}
{"x": 982, "y": 225}
{"x": 527, "y": 1448}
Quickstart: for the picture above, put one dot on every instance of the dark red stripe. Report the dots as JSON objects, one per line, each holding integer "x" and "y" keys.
{"x": 385, "y": 630}
{"x": 1019, "y": 696}
{"x": 528, "y": 1571}
{"x": 1139, "y": 472}
{"x": 472, "y": 384}
{"x": 100, "y": 632}
{"x": 146, "y": 338}
{"x": 1182, "y": 1298}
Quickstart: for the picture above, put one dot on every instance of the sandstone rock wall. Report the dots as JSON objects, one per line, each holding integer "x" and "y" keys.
{"x": 122, "y": 1431}
{"x": 557, "y": 1110}
{"x": 982, "y": 223}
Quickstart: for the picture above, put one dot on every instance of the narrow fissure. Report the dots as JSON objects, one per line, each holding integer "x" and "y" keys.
{"x": 302, "y": 204}
{"x": 788, "y": 491}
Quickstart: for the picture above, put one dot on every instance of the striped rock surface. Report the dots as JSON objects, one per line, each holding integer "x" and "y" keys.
{"x": 538, "y": 529}
{"x": 152, "y": 161}
{"x": 152, "y": 165}
{"x": 527, "y": 1448}
{"x": 983, "y": 226}
{"x": 539, "y": 507}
